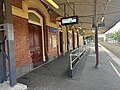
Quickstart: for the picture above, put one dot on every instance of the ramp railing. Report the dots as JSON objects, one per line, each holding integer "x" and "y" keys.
{"x": 75, "y": 56}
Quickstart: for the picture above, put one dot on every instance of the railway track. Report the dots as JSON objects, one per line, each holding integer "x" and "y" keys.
{"x": 114, "y": 48}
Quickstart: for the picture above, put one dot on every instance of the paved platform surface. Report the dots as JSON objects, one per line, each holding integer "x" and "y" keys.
{"x": 6, "y": 86}
{"x": 55, "y": 76}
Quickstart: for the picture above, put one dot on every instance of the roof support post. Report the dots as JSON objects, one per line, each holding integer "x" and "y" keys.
{"x": 10, "y": 42}
{"x": 96, "y": 37}
{"x": 97, "y": 65}
{"x": 3, "y": 75}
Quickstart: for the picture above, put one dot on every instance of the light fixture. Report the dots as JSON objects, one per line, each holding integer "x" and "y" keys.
{"x": 53, "y": 4}
{"x": 77, "y": 30}
{"x": 93, "y": 31}
{"x": 102, "y": 19}
{"x": 102, "y": 22}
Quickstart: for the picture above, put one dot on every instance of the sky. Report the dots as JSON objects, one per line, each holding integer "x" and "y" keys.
{"x": 114, "y": 29}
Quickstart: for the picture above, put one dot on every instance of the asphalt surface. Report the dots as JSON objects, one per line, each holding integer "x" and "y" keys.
{"x": 55, "y": 75}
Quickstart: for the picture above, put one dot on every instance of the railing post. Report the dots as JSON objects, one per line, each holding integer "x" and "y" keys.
{"x": 70, "y": 65}
{"x": 70, "y": 62}
{"x": 79, "y": 52}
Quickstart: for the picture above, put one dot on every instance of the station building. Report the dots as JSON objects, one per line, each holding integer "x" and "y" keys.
{"x": 38, "y": 35}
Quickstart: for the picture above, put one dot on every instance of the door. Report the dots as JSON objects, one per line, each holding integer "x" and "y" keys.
{"x": 77, "y": 39}
{"x": 61, "y": 43}
{"x": 73, "y": 37}
{"x": 68, "y": 42}
{"x": 35, "y": 37}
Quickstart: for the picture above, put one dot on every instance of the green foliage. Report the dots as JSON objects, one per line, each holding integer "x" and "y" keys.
{"x": 90, "y": 38}
{"x": 116, "y": 35}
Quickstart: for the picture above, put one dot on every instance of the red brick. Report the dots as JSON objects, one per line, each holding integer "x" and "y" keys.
{"x": 21, "y": 41}
{"x": 17, "y": 3}
{"x": 52, "y": 51}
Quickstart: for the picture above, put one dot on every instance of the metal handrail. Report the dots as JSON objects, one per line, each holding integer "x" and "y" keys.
{"x": 77, "y": 54}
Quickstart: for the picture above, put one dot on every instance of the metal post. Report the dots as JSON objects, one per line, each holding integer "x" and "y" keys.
{"x": 71, "y": 66}
{"x": 79, "y": 52}
{"x": 10, "y": 42}
{"x": 73, "y": 9}
{"x": 96, "y": 47}
{"x": 3, "y": 75}
{"x": 96, "y": 37}
{"x": 64, "y": 10}
{"x": 1, "y": 61}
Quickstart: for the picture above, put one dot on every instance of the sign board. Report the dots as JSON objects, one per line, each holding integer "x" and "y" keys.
{"x": 52, "y": 29}
{"x": 54, "y": 42}
{"x": 69, "y": 20}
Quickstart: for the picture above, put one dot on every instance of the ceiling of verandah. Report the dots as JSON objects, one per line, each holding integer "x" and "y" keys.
{"x": 85, "y": 10}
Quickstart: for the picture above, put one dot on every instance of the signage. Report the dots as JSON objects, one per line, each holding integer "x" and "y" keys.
{"x": 52, "y": 29}
{"x": 69, "y": 20}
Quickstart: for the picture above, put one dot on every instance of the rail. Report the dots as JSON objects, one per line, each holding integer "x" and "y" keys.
{"x": 75, "y": 56}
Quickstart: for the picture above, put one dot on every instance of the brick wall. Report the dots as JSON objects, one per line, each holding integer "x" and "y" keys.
{"x": 53, "y": 17}
{"x": 51, "y": 50}
{"x": 21, "y": 36}
{"x": 17, "y": 3}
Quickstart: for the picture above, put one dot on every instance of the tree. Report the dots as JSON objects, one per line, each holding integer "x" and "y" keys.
{"x": 116, "y": 36}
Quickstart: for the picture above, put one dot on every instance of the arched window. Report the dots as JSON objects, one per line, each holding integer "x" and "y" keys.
{"x": 35, "y": 17}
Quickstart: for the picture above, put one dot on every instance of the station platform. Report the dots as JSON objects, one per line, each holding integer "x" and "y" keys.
{"x": 55, "y": 75}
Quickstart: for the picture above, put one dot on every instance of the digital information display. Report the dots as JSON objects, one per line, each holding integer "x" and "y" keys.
{"x": 69, "y": 20}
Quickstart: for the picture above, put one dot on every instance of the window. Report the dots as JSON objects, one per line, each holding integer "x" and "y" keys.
{"x": 33, "y": 17}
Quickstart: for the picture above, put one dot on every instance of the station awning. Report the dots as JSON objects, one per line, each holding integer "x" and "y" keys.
{"x": 109, "y": 10}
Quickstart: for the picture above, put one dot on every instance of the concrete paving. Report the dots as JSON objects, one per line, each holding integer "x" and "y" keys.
{"x": 55, "y": 75}
{"x": 6, "y": 86}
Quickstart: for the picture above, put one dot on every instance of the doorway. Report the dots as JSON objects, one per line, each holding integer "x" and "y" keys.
{"x": 35, "y": 42}
{"x": 61, "y": 43}
{"x": 73, "y": 37}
